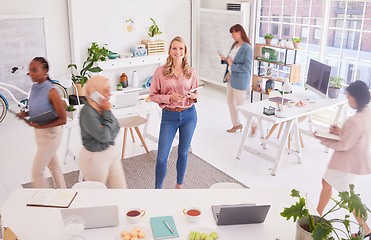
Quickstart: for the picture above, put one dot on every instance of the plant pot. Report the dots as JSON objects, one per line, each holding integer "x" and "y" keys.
{"x": 71, "y": 115}
{"x": 296, "y": 44}
{"x": 287, "y": 44}
{"x": 79, "y": 90}
{"x": 333, "y": 92}
{"x": 302, "y": 228}
{"x": 152, "y": 39}
{"x": 268, "y": 41}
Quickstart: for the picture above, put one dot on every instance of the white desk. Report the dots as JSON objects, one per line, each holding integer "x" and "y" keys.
{"x": 142, "y": 108}
{"x": 291, "y": 115}
{"x": 46, "y": 223}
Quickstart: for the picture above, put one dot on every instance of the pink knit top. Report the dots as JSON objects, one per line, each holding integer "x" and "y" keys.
{"x": 353, "y": 150}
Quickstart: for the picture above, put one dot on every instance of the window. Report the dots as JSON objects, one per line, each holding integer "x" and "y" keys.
{"x": 344, "y": 45}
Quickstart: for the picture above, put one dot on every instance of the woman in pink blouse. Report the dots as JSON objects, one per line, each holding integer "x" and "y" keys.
{"x": 170, "y": 88}
{"x": 352, "y": 156}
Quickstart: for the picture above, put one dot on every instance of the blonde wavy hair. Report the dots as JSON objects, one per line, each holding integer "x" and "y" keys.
{"x": 169, "y": 68}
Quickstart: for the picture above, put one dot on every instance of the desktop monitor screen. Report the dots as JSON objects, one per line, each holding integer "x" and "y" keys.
{"x": 318, "y": 77}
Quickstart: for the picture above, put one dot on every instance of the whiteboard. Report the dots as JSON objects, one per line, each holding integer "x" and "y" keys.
{"x": 21, "y": 40}
{"x": 214, "y": 35}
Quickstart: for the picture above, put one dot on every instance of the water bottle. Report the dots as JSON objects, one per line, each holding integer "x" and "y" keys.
{"x": 135, "y": 80}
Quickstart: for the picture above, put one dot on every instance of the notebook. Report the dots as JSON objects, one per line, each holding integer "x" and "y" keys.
{"x": 52, "y": 198}
{"x": 239, "y": 214}
{"x": 126, "y": 99}
{"x": 279, "y": 100}
{"x": 95, "y": 217}
{"x": 160, "y": 230}
{"x": 327, "y": 135}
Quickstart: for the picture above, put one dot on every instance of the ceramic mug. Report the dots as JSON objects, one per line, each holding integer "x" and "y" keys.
{"x": 291, "y": 103}
{"x": 193, "y": 214}
{"x": 134, "y": 215}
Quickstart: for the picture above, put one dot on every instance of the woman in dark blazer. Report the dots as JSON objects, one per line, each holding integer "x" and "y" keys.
{"x": 238, "y": 74}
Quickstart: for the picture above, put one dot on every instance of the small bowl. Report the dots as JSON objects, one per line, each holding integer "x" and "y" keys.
{"x": 112, "y": 55}
{"x": 291, "y": 103}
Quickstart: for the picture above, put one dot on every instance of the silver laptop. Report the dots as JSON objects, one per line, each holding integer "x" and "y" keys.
{"x": 125, "y": 99}
{"x": 95, "y": 217}
{"x": 239, "y": 214}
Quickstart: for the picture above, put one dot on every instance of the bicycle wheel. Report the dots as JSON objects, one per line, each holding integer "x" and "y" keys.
{"x": 61, "y": 90}
{"x": 3, "y": 109}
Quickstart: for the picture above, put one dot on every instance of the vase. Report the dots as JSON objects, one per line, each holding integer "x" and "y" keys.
{"x": 296, "y": 44}
{"x": 71, "y": 114}
{"x": 152, "y": 39}
{"x": 301, "y": 229}
{"x": 287, "y": 44}
{"x": 333, "y": 92}
{"x": 124, "y": 80}
{"x": 79, "y": 92}
{"x": 134, "y": 80}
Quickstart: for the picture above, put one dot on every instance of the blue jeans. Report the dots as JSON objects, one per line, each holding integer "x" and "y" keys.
{"x": 171, "y": 121}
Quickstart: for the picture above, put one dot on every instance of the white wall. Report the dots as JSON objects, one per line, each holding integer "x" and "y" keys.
{"x": 215, "y": 4}
{"x": 56, "y": 28}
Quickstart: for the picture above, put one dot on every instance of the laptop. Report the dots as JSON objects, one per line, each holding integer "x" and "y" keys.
{"x": 239, "y": 214}
{"x": 125, "y": 99}
{"x": 95, "y": 217}
{"x": 44, "y": 118}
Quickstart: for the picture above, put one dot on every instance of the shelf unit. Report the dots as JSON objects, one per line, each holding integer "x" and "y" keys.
{"x": 294, "y": 69}
{"x": 119, "y": 63}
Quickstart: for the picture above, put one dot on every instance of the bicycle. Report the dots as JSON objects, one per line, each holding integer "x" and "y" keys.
{"x": 22, "y": 104}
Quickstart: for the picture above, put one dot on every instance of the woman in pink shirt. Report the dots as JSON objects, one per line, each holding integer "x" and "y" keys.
{"x": 170, "y": 88}
{"x": 352, "y": 156}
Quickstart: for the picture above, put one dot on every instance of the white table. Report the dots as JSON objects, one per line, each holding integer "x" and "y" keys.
{"x": 142, "y": 108}
{"x": 291, "y": 115}
{"x": 46, "y": 223}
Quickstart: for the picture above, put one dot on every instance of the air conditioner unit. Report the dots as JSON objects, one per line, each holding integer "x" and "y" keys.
{"x": 233, "y": 6}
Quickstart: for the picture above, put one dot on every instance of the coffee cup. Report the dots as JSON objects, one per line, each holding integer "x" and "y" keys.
{"x": 291, "y": 103}
{"x": 134, "y": 215}
{"x": 193, "y": 214}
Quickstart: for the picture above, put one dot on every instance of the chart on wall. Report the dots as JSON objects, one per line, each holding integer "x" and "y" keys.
{"x": 214, "y": 36}
{"x": 21, "y": 39}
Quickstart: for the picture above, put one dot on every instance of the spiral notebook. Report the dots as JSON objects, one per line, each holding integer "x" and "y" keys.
{"x": 160, "y": 230}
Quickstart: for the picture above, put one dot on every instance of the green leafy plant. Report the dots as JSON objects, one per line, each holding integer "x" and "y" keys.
{"x": 322, "y": 228}
{"x": 154, "y": 29}
{"x": 268, "y": 36}
{"x": 95, "y": 53}
{"x": 297, "y": 39}
{"x": 336, "y": 81}
{"x": 70, "y": 108}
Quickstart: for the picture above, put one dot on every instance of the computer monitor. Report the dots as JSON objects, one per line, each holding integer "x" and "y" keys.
{"x": 318, "y": 78}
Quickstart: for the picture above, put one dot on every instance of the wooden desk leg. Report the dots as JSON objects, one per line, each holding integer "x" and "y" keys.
{"x": 296, "y": 133}
{"x": 271, "y": 131}
{"x": 244, "y": 137}
{"x": 281, "y": 148}
{"x": 279, "y": 131}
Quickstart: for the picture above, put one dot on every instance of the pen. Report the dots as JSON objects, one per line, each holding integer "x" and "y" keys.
{"x": 167, "y": 225}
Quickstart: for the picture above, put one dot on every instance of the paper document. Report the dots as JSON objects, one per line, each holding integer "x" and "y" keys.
{"x": 52, "y": 198}
{"x": 327, "y": 135}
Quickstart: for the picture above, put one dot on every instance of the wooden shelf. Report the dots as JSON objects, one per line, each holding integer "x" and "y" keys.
{"x": 275, "y": 46}
{"x": 274, "y": 78}
{"x": 280, "y": 64}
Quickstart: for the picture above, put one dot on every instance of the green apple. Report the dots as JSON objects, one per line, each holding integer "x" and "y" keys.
{"x": 191, "y": 235}
{"x": 214, "y": 235}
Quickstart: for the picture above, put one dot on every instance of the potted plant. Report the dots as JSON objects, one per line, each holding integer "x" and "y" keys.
{"x": 268, "y": 38}
{"x": 95, "y": 53}
{"x": 335, "y": 86}
{"x": 287, "y": 43}
{"x": 70, "y": 111}
{"x": 318, "y": 228}
{"x": 153, "y": 30}
{"x": 297, "y": 41}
